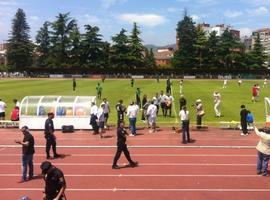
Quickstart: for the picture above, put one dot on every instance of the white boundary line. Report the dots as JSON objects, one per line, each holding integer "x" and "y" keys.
{"x": 142, "y": 146}
{"x": 146, "y": 155}
{"x": 141, "y": 164}
{"x": 142, "y": 190}
{"x": 149, "y": 175}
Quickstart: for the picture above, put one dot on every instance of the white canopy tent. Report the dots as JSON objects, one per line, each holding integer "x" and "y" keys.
{"x": 68, "y": 110}
{"x": 267, "y": 110}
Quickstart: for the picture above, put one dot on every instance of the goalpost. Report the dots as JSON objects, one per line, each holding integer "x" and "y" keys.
{"x": 267, "y": 110}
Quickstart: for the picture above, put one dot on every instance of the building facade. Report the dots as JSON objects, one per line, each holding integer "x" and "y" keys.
{"x": 163, "y": 56}
{"x": 3, "y": 50}
{"x": 265, "y": 39}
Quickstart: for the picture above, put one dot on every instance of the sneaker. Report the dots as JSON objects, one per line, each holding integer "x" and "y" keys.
{"x": 243, "y": 134}
{"x": 265, "y": 175}
{"x": 259, "y": 172}
{"x": 115, "y": 167}
{"x": 131, "y": 134}
{"x": 22, "y": 180}
{"x": 49, "y": 157}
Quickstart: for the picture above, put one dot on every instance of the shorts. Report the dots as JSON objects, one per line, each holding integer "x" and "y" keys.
{"x": 152, "y": 120}
{"x": 2, "y": 114}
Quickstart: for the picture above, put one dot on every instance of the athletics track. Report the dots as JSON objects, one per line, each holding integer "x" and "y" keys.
{"x": 220, "y": 164}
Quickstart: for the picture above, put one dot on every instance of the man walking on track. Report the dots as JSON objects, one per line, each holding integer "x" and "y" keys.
{"x": 50, "y": 137}
{"x": 28, "y": 151}
{"x": 243, "y": 119}
{"x": 122, "y": 147}
{"x": 55, "y": 183}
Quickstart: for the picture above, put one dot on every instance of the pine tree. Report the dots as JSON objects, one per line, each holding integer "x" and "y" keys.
{"x": 200, "y": 47}
{"x": 120, "y": 50}
{"x": 136, "y": 48}
{"x": 186, "y": 34}
{"x": 20, "y": 48}
{"x": 61, "y": 30}
{"x": 43, "y": 40}
{"x": 92, "y": 47}
{"x": 75, "y": 46}
{"x": 213, "y": 48}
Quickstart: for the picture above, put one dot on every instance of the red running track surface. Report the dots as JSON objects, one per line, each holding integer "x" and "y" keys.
{"x": 220, "y": 164}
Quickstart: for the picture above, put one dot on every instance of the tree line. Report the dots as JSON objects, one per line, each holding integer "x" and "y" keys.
{"x": 61, "y": 45}
{"x": 198, "y": 50}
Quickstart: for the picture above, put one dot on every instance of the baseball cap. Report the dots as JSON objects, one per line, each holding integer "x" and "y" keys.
{"x": 45, "y": 166}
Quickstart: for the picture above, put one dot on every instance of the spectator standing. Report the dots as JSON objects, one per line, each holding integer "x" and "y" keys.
{"x": 144, "y": 107}
{"x": 254, "y": 93}
{"x": 184, "y": 117}
{"x": 74, "y": 84}
{"x": 217, "y": 102}
{"x": 151, "y": 114}
{"x": 225, "y": 82}
{"x": 199, "y": 113}
{"x": 181, "y": 85}
{"x": 16, "y": 103}
{"x": 138, "y": 97}
{"x": 168, "y": 86}
{"x": 163, "y": 99}
{"x": 182, "y": 101}
{"x": 101, "y": 119}
{"x": 265, "y": 83}
{"x": 132, "y": 82}
{"x": 99, "y": 90}
{"x": 156, "y": 100}
{"x": 121, "y": 109}
{"x": 3, "y": 107}
{"x": 93, "y": 117}
{"x": 243, "y": 118}
{"x": 169, "y": 102}
{"x": 132, "y": 112}
{"x": 106, "y": 111}
{"x": 28, "y": 150}
{"x": 55, "y": 183}
{"x": 263, "y": 148}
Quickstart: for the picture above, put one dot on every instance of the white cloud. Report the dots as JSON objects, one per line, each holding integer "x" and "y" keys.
{"x": 260, "y": 2}
{"x": 232, "y": 14}
{"x": 91, "y": 19}
{"x": 8, "y": 3}
{"x": 34, "y": 18}
{"x": 109, "y": 3}
{"x": 258, "y": 11}
{"x": 245, "y": 31}
{"x": 150, "y": 20}
{"x": 195, "y": 18}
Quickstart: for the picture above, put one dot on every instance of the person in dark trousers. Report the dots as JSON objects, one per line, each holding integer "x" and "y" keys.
{"x": 144, "y": 106}
{"x": 99, "y": 90}
{"x": 74, "y": 84}
{"x": 28, "y": 151}
{"x": 122, "y": 147}
{"x": 168, "y": 86}
{"x": 121, "y": 110}
{"x": 138, "y": 97}
{"x": 132, "y": 82}
{"x": 243, "y": 118}
{"x": 55, "y": 183}
{"x": 184, "y": 117}
{"x": 50, "y": 137}
{"x": 182, "y": 101}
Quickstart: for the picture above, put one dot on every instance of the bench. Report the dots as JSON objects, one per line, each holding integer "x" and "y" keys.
{"x": 9, "y": 124}
{"x": 229, "y": 125}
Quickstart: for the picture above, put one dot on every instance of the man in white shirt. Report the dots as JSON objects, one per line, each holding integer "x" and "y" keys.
{"x": 163, "y": 98}
{"x": 106, "y": 111}
{"x": 265, "y": 83}
{"x": 225, "y": 83}
{"x": 184, "y": 117}
{"x": 152, "y": 116}
{"x": 93, "y": 118}
{"x": 3, "y": 107}
{"x": 132, "y": 112}
{"x": 217, "y": 102}
{"x": 101, "y": 119}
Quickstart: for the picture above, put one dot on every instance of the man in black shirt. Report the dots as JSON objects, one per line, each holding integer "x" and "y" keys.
{"x": 50, "y": 137}
{"x": 182, "y": 101}
{"x": 121, "y": 109}
{"x": 122, "y": 147}
{"x": 55, "y": 183}
{"x": 28, "y": 151}
{"x": 243, "y": 114}
{"x": 74, "y": 84}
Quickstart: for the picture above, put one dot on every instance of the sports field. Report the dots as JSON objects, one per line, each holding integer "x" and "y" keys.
{"x": 232, "y": 97}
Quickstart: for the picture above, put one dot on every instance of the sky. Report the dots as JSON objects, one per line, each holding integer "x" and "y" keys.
{"x": 157, "y": 19}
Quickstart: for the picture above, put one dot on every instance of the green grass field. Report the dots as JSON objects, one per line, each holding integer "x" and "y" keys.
{"x": 232, "y": 97}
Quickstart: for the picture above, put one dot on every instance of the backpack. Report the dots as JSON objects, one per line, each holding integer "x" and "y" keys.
{"x": 250, "y": 118}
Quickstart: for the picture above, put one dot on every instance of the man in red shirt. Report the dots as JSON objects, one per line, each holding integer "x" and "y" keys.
{"x": 254, "y": 93}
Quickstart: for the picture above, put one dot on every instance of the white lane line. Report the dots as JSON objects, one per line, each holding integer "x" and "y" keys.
{"x": 144, "y": 155}
{"x": 149, "y": 175}
{"x": 142, "y": 146}
{"x": 141, "y": 164}
{"x": 143, "y": 190}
